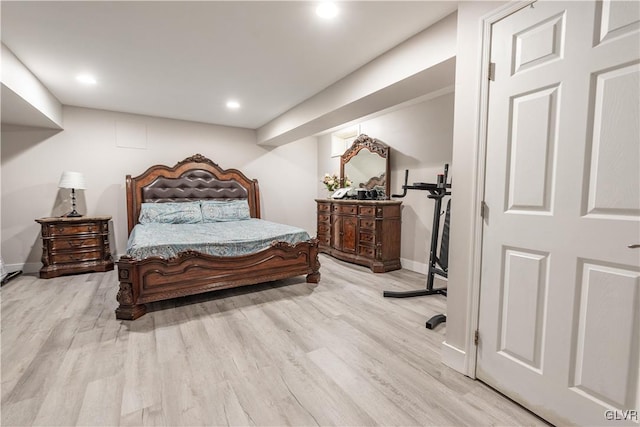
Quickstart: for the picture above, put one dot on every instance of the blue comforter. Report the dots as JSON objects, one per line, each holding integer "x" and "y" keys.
{"x": 228, "y": 239}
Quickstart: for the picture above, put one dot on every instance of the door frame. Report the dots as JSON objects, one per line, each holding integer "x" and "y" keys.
{"x": 473, "y": 314}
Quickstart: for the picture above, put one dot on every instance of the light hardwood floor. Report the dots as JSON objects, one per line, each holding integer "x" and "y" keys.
{"x": 288, "y": 353}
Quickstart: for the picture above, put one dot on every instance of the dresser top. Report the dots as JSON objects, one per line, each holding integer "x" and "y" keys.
{"x": 73, "y": 219}
{"x": 360, "y": 202}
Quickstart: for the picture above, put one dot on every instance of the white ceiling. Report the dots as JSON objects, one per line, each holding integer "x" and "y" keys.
{"x": 184, "y": 60}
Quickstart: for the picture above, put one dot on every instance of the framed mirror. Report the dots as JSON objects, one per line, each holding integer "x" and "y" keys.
{"x": 366, "y": 164}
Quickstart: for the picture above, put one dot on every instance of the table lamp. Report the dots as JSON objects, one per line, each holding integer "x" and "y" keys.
{"x": 74, "y": 181}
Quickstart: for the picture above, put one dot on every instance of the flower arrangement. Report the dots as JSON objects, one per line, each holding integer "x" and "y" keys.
{"x": 332, "y": 182}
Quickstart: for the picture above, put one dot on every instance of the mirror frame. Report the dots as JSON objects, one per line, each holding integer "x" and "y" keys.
{"x": 375, "y": 146}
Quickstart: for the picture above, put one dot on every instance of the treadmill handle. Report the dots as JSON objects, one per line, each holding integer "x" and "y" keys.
{"x": 404, "y": 187}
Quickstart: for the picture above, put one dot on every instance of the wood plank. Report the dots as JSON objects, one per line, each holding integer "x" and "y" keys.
{"x": 282, "y": 353}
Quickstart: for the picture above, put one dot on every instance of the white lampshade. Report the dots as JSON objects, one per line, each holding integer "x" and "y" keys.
{"x": 72, "y": 180}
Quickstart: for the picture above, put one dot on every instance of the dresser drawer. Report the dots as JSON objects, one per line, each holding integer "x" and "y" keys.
{"x": 76, "y": 256}
{"x": 366, "y": 251}
{"x": 368, "y": 210}
{"x": 71, "y": 243}
{"x": 367, "y": 238}
{"x": 72, "y": 229}
{"x": 345, "y": 209}
{"x": 323, "y": 217}
{"x": 367, "y": 224}
{"x": 324, "y": 207}
{"x": 323, "y": 228}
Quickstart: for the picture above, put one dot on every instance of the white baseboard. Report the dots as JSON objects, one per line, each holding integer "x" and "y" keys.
{"x": 454, "y": 357}
{"x": 418, "y": 267}
{"x": 27, "y": 267}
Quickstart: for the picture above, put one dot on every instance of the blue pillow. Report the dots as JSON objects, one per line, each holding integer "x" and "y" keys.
{"x": 170, "y": 213}
{"x": 225, "y": 210}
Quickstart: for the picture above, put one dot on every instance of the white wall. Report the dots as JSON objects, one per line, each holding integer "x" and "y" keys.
{"x": 420, "y": 137}
{"x": 32, "y": 161}
{"x": 465, "y": 212}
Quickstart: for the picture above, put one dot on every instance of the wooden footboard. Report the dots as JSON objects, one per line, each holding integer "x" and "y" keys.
{"x": 156, "y": 279}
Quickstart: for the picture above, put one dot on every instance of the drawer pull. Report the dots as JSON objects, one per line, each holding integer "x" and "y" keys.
{"x": 368, "y": 252}
{"x": 367, "y": 224}
{"x": 366, "y": 238}
{"x": 369, "y": 211}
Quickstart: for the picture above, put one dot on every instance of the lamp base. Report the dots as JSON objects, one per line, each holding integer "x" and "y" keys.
{"x": 73, "y": 214}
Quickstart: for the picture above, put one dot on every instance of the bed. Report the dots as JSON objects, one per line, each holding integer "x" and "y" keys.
{"x": 194, "y": 265}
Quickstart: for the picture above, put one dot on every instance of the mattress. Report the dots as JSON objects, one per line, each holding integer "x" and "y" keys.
{"x": 227, "y": 239}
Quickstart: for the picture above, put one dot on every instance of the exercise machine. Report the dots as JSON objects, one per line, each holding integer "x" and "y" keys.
{"x": 438, "y": 264}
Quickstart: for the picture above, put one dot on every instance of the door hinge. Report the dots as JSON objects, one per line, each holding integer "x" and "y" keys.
{"x": 492, "y": 71}
{"x": 476, "y": 337}
{"x": 483, "y": 209}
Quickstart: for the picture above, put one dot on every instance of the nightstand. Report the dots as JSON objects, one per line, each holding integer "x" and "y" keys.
{"x": 75, "y": 245}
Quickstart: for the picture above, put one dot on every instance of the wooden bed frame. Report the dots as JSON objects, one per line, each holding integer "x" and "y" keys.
{"x": 191, "y": 272}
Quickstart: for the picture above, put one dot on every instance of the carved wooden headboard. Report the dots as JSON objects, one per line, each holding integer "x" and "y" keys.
{"x": 194, "y": 178}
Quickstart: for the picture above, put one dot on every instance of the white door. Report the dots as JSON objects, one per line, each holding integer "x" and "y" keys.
{"x": 559, "y": 325}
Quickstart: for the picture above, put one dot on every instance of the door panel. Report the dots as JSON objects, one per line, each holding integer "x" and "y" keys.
{"x": 349, "y": 229}
{"x": 559, "y": 319}
{"x": 616, "y": 18}
{"x": 602, "y": 287}
{"x": 615, "y": 108}
{"x": 523, "y": 296}
{"x": 336, "y": 233}
{"x": 533, "y": 122}
{"x": 540, "y": 43}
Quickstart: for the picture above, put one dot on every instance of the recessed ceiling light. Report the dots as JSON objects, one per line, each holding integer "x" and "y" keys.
{"x": 327, "y": 10}
{"x": 86, "y": 79}
{"x": 233, "y": 105}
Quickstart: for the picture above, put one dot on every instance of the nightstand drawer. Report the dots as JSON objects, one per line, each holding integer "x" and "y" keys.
{"x": 70, "y": 243}
{"x": 323, "y": 228}
{"x": 72, "y": 229}
{"x": 323, "y": 217}
{"x": 76, "y": 256}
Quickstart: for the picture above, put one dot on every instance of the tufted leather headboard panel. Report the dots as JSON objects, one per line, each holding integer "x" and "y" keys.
{"x": 194, "y": 178}
{"x": 192, "y": 185}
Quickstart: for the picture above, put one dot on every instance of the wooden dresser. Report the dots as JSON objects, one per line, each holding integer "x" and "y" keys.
{"x": 365, "y": 232}
{"x": 75, "y": 245}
